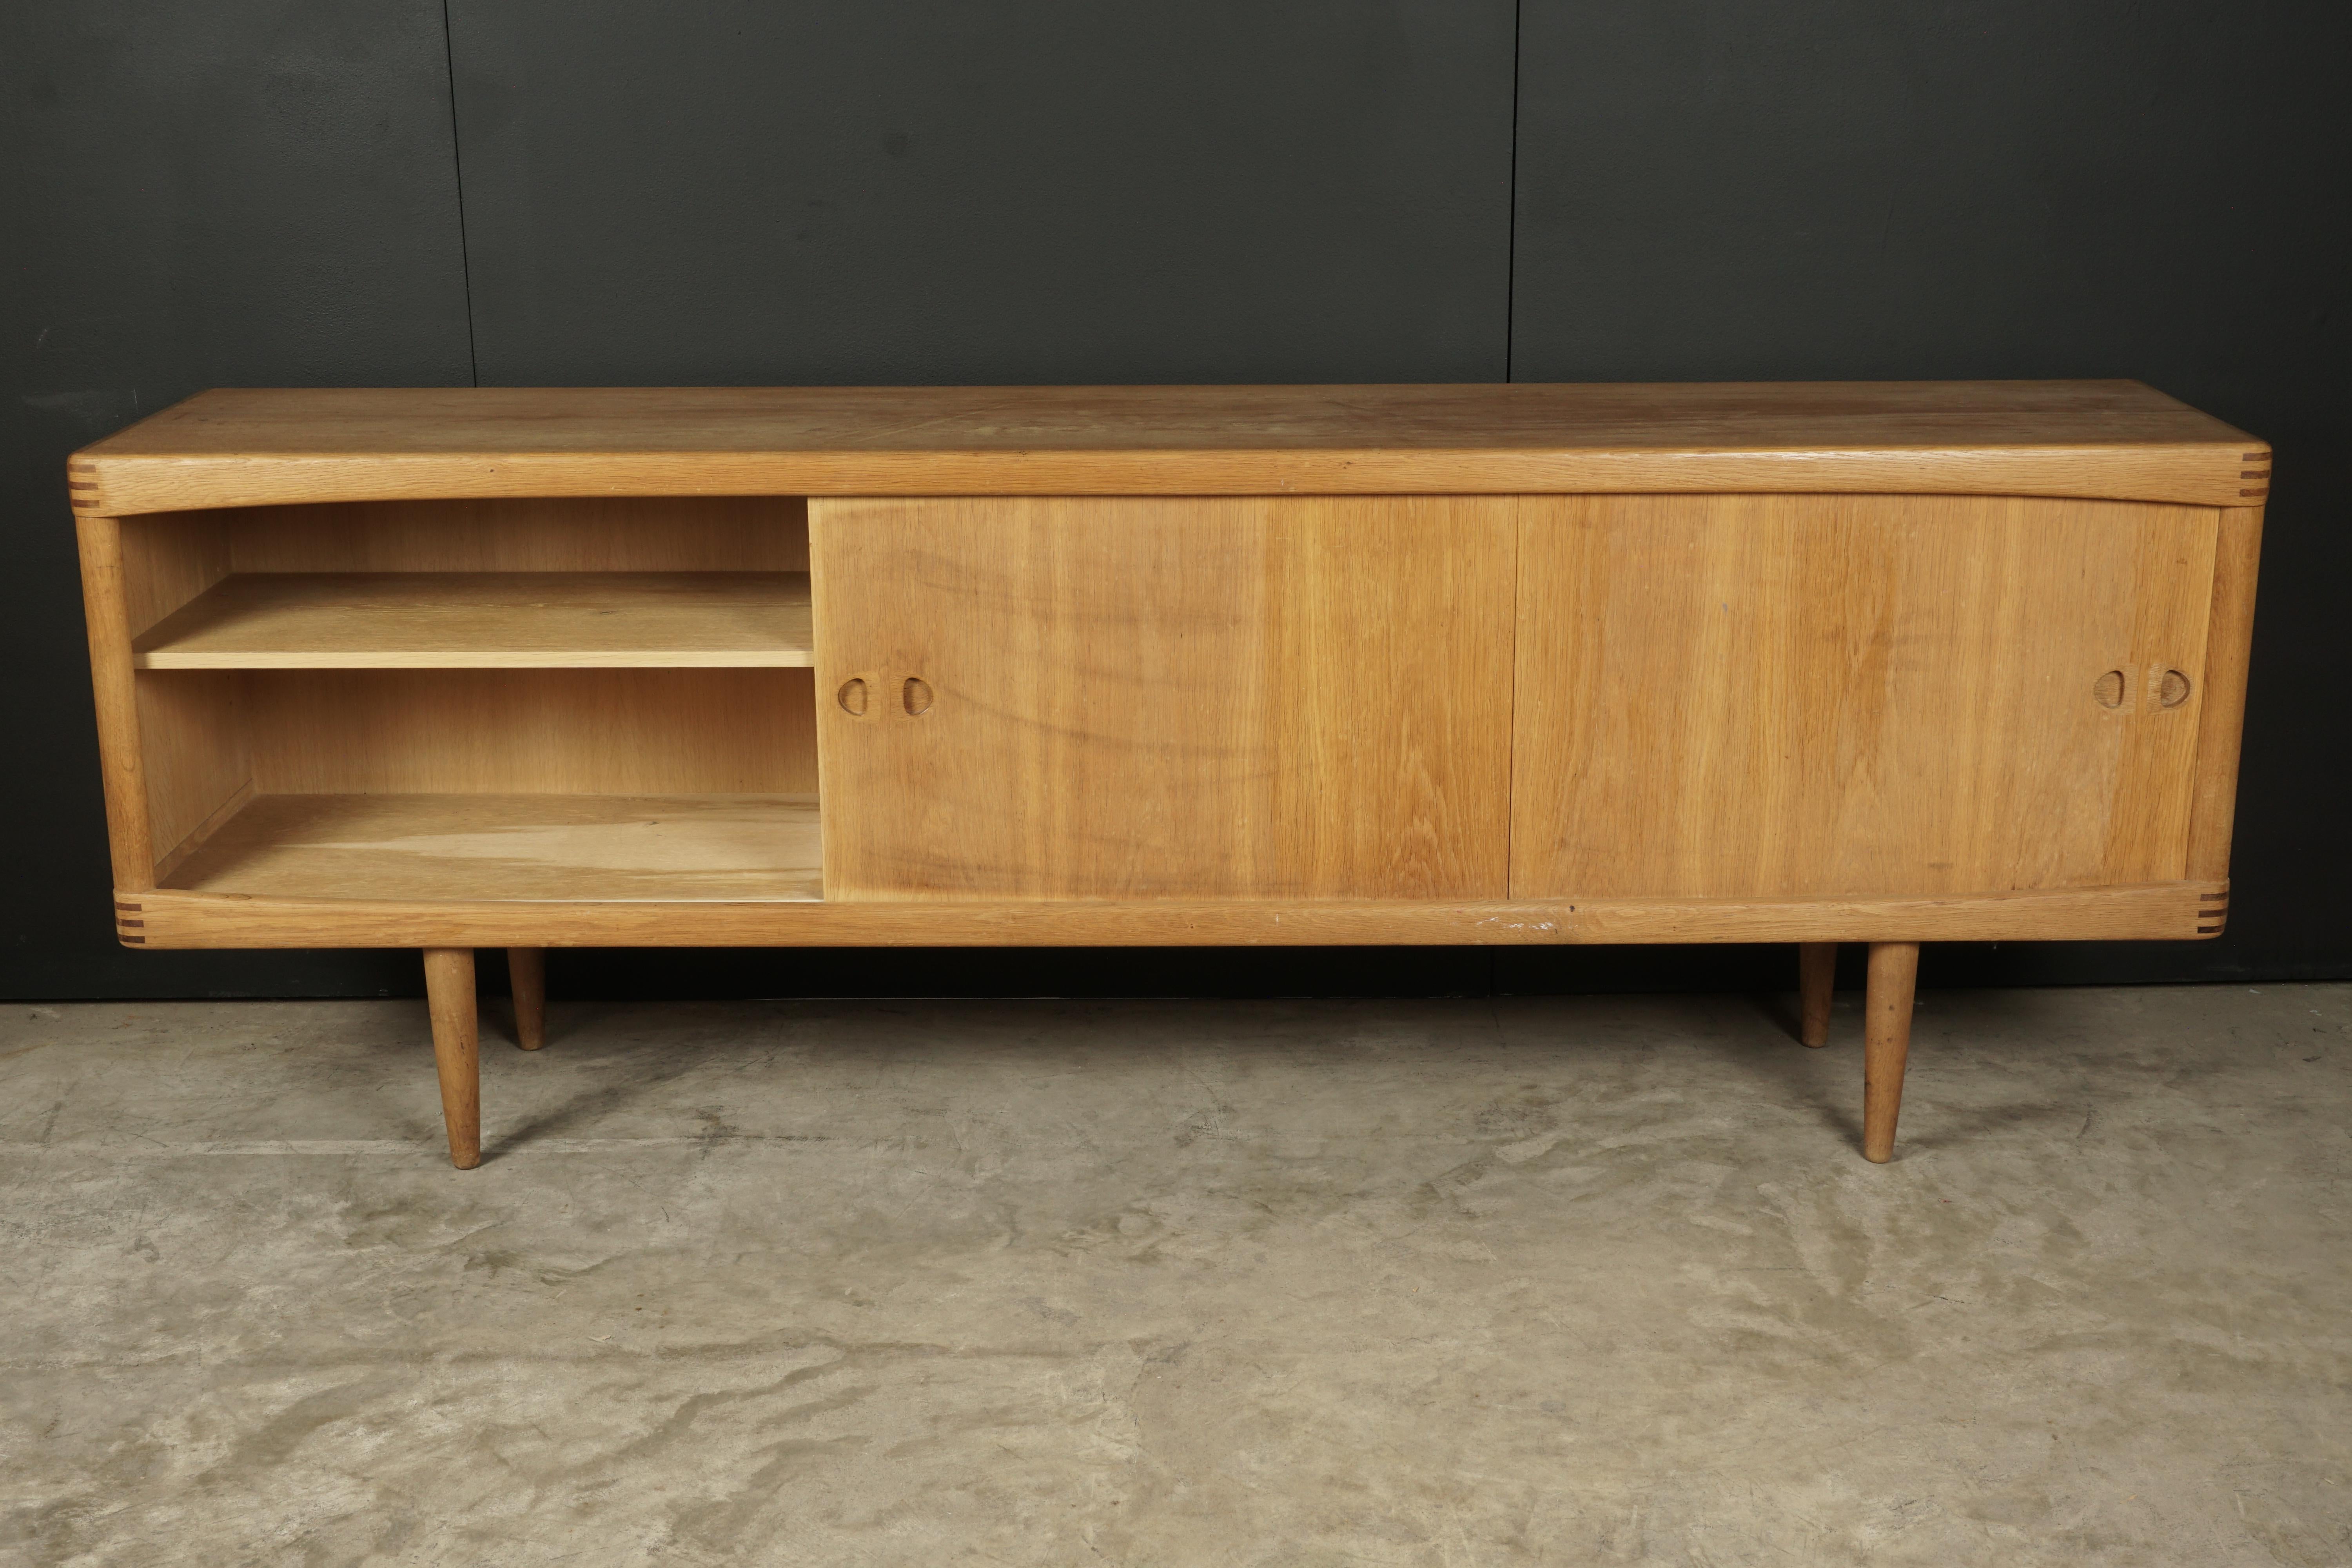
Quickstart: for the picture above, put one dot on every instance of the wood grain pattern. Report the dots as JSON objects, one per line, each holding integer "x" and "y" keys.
{"x": 1886, "y": 1043}
{"x": 1745, "y": 696}
{"x": 197, "y": 757}
{"x": 113, "y": 688}
{"x": 527, "y": 981}
{"x": 435, "y": 848}
{"x": 529, "y": 533}
{"x": 1816, "y": 991}
{"x": 2228, "y": 650}
{"x": 168, "y": 559}
{"x": 456, "y": 1049}
{"x": 523, "y": 731}
{"x": 2165, "y": 911}
{"x": 487, "y": 620}
{"x": 195, "y": 837}
{"x": 2112, "y": 439}
{"x": 1278, "y": 698}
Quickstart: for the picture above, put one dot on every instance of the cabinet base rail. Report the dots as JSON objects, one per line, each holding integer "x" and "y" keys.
{"x": 450, "y": 990}
{"x": 2148, "y": 911}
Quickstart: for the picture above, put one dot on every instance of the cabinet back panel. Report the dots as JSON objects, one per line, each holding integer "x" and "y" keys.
{"x": 1293, "y": 697}
{"x": 522, "y": 731}
{"x": 660, "y": 533}
{"x": 1727, "y": 696}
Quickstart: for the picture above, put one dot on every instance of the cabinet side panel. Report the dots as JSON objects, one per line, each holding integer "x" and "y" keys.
{"x": 1742, "y": 696}
{"x": 526, "y": 732}
{"x": 128, "y": 841}
{"x": 1249, "y": 697}
{"x": 2229, "y": 647}
{"x": 645, "y": 533}
{"x": 198, "y": 764}
{"x": 169, "y": 558}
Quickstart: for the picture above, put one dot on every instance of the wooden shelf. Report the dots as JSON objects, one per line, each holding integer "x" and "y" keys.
{"x": 514, "y": 848}
{"x": 487, "y": 620}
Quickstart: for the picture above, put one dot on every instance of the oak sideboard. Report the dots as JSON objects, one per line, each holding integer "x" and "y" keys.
{"x": 1816, "y": 663}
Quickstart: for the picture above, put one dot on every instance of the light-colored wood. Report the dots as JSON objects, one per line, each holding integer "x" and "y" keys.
{"x": 192, "y": 735}
{"x": 1886, "y": 1043}
{"x": 2167, "y": 911}
{"x": 432, "y": 848}
{"x": 1744, "y": 696}
{"x": 197, "y": 836}
{"x": 1877, "y": 662}
{"x": 1179, "y": 699}
{"x": 456, "y": 1049}
{"x": 122, "y": 765}
{"x": 529, "y": 533}
{"x": 489, "y": 620}
{"x": 527, "y": 731}
{"x": 2097, "y": 439}
{"x": 1816, "y": 989}
{"x": 527, "y": 979}
{"x": 2228, "y": 647}
{"x": 168, "y": 559}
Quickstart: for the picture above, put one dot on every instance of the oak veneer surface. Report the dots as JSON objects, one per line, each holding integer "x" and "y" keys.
{"x": 2109, "y": 438}
{"x": 172, "y": 918}
{"x": 513, "y": 847}
{"x": 131, "y": 849}
{"x": 528, "y": 533}
{"x": 1208, "y": 698}
{"x": 197, "y": 749}
{"x": 169, "y": 559}
{"x": 487, "y": 619}
{"x": 509, "y": 732}
{"x": 2229, "y": 645}
{"x": 1738, "y": 696}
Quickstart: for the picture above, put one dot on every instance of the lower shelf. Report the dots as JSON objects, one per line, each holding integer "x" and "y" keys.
{"x": 524, "y": 847}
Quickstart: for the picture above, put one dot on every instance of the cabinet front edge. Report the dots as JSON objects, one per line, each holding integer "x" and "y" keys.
{"x": 2198, "y": 475}
{"x": 2154, "y": 912}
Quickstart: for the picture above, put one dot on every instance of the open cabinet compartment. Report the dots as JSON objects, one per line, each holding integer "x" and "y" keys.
{"x": 460, "y": 700}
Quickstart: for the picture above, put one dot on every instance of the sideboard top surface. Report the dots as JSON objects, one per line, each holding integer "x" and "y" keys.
{"x": 2110, "y": 439}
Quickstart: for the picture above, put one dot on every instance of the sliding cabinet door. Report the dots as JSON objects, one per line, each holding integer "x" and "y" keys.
{"x": 1742, "y": 696}
{"x": 1220, "y": 698}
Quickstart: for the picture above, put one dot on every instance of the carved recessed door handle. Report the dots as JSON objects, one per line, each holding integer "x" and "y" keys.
{"x": 2167, "y": 688}
{"x": 857, "y": 697}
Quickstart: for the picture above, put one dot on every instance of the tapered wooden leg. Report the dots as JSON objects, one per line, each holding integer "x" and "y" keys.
{"x": 1886, "y": 1043}
{"x": 527, "y": 972}
{"x": 456, "y": 1049}
{"x": 1816, "y": 980}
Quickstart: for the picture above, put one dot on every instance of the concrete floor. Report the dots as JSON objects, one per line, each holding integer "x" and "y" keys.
{"x": 1286, "y": 1284}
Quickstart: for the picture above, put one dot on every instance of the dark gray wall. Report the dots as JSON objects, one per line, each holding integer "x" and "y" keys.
{"x": 905, "y": 191}
{"x": 384, "y": 192}
{"x": 246, "y": 191}
{"x": 1717, "y": 189}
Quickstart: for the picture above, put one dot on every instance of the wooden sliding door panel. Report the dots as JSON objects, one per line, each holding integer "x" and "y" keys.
{"x": 1729, "y": 696}
{"x": 1079, "y": 698}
